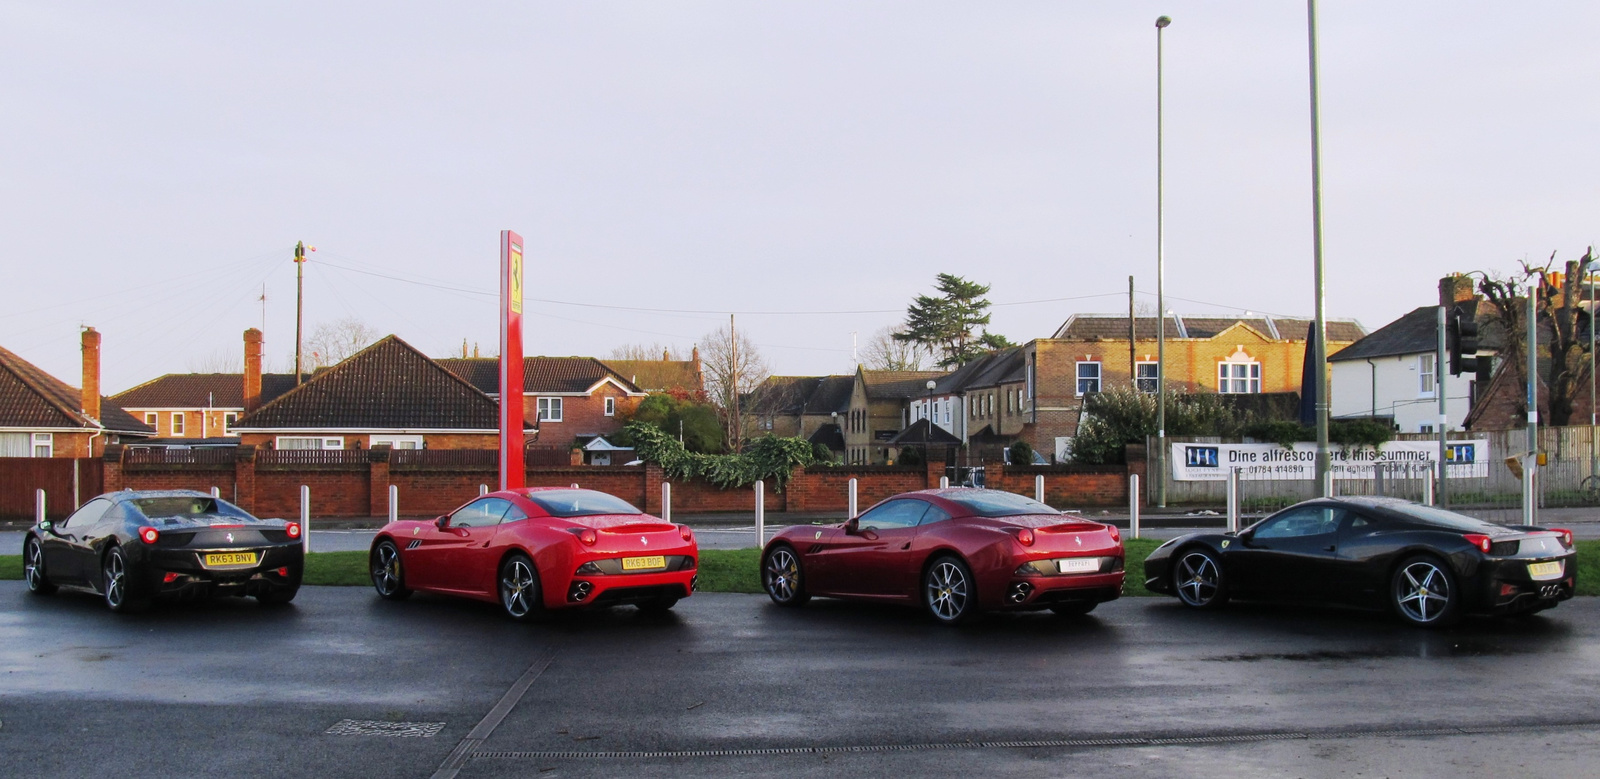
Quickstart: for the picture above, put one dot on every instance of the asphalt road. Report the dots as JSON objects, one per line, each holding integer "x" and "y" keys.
{"x": 730, "y": 685}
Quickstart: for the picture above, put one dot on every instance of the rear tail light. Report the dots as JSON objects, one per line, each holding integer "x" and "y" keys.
{"x": 584, "y": 534}
{"x": 1566, "y": 536}
{"x": 683, "y": 530}
{"x": 149, "y": 534}
{"x": 1484, "y": 543}
{"x": 1116, "y": 535}
{"x": 1024, "y": 536}
{"x": 294, "y": 529}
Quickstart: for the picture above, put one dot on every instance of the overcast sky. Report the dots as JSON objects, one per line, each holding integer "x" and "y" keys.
{"x": 160, "y": 160}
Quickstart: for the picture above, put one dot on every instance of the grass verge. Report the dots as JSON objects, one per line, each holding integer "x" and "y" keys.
{"x": 735, "y": 570}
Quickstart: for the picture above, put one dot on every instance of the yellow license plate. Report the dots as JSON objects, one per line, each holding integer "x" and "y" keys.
{"x": 1545, "y": 570}
{"x": 643, "y": 563}
{"x": 231, "y": 558}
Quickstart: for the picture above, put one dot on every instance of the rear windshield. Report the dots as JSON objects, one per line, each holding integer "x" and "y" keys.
{"x": 184, "y": 506}
{"x": 993, "y": 503}
{"x": 580, "y": 503}
{"x": 1441, "y": 517}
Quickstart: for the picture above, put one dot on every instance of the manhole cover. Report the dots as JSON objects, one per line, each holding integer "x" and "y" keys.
{"x": 361, "y": 727}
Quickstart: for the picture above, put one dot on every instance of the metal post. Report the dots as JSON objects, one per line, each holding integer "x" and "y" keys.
{"x": 1038, "y": 487}
{"x": 944, "y": 482}
{"x": 1233, "y": 500}
{"x": 1427, "y": 487}
{"x": 852, "y": 499}
{"x": 761, "y": 513}
{"x": 38, "y": 507}
{"x": 666, "y": 501}
{"x": 77, "y": 501}
{"x": 394, "y": 503}
{"x": 1444, "y": 414}
{"x": 305, "y": 518}
{"x": 574, "y": 485}
{"x": 1161, "y": 289}
{"x": 1320, "y": 374}
{"x": 1531, "y": 462}
{"x": 483, "y": 489}
{"x": 1594, "y": 455}
{"x": 1133, "y": 504}
{"x": 216, "y": 492}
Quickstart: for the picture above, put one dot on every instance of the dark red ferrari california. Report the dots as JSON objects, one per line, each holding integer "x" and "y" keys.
{"x": 539, "y": 549}
{"x": 954, "y": 551}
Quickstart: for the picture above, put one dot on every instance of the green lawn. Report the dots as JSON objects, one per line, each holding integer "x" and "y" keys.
{"x": 735, "y": 570}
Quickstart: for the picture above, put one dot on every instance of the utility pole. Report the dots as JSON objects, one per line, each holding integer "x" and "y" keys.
{"x": 299, "y": 309}
{"x": 1161, "y": 290}
{"x": 1444, "y": 415}
{"x": 853, "y": 362}
{"x": 1320, "y": 374}
{"x": 1133, "y": 335}
{"x": 1530, "y": 465}
{"x": 733, "y": 351}
{"x": 263, "y": 308}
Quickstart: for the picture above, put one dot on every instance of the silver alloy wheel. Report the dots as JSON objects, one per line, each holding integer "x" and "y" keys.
{"x": 782, "y": 574}
{"x": 947, "y": 590}
{"x": 515, "y": 586}
{"x": 33, "y": 566}
{"x": 1197, "y": 579}
{"x": 386, "y": 570}
{"x": 115, "y": 580}
{"x": 1422, "y": 591}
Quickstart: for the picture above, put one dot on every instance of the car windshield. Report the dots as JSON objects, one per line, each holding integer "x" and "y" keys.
{"x": 580, "y": 503}
{"x": 183, "y": 506}
{"x": 992, "y": 503}
{"x": 1441, "y": 517}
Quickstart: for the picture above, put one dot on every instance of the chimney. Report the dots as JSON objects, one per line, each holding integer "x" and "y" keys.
{"x": 665, "y": 355}
{"x": 252, "y": 370}
{"x": 91, "y": 373}
{"x": 1454, "y": 289}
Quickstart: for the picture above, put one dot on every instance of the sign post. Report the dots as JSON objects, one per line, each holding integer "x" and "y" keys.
{"x": 513, "y": 472}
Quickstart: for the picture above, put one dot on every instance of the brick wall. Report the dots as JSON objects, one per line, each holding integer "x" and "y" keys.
{"x": 1065, "y": 486}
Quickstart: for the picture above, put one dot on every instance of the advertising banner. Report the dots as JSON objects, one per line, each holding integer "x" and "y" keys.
{"x": 513, "y": 472}
{"x": 1267, "y": 462}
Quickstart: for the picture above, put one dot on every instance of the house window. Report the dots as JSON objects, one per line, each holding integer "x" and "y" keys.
{"x": 44, "y": 444}
{"x": 1088, "y": 378}
{"x": 1148, "y": 376}
{"x": 1238, "y": 378}
{"x": 1425, "y": 374}
{"x": 177, "y": 423}
{"x": 227, "y": 423}
{"x": 549, "y": 409}
{"x": 396, "y": 441}
{"x": 150, "y": 418}
{"x": 1425, "y": 429}
{"x": 309, "y": 443}
{"x": 611, "y": 409}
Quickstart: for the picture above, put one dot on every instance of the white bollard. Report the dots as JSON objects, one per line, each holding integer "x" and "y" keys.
{"x": 574, "y": 485}
{"x": 1427, "y": 487}
{"x": 1233, "y": 499}
{"x": 483, "y": 489}
{"x": 394, "y": 503}
{"x": 305, "y": 518}
{"x": 944, "y": 482}
{"x": 852, "y": 498}
{"x": 761, "y": 513}
{"x": 216, "y": 492}
{"x": 1133, "y": 504}
{"x": 666, "y": 501}
{"x": 1038, "y": 488}
{"x": 38, "y": 507}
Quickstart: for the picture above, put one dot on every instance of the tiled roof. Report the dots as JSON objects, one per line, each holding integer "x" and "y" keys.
{"x": 201, "y": 390}
{"x": 787, "y": 395}
{"x": 29, "y": 397}
{"x": 923, "y": 432}
{"x": 832, "y": 394}
{"x": 539, "y": 374}
{"x": 661, "y": 375}
{"x": 1008, "y": 366}
{"x": 1414, "y": 333}
{"x": 899, "y": 384}
{"x": 386, "y": 386}
{"x": 1111, "y": 327}
{"x": 830, "y": 436}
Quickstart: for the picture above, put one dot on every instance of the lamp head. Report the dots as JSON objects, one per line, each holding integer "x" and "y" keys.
{"x": 1162, "y": 21}
{"x": 930, "y": 385}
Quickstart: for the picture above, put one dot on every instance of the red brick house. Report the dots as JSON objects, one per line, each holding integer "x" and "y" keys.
{"x": 186, "y": 408}
{"x": 570, "y": 400}
{"x": 41, "y": 416}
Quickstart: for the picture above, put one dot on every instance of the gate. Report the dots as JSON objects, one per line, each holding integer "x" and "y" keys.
{"x": 67, "y": 483}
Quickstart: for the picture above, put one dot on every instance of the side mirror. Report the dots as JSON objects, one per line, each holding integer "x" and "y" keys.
{"x": 441, "y": 522}
{"x": 48, "y": 527}
{"x": 852, "y": 527}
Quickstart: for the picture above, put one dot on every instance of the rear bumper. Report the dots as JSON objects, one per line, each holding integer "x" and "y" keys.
{"x": 182, "y": 573}
{"x": 1507, "y": 588}
{"x": 600, "y": 590}
{"x": 1026, "y": 593}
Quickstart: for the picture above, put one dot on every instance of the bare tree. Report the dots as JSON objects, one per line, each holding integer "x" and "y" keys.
{"x": 884, "y": 352}
{"x": 733, "y": 367}
{"x": 1562, "y": 328}
{"x": 653, "y": 351}
{"x": 222, "y": 359}
{"x": 334, "y": 342}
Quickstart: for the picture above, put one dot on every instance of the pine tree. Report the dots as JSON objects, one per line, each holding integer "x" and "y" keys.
{"x": 944, "y": 324}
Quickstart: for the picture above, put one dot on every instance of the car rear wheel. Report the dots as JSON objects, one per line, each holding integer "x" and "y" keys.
{"x": 520, "y": 594}
{"x": 1073, "y": 609}
{"x": 388, "y": 577}
{"x": 949, "y": 592}
{"x": 33, "y": 569}
{"x": 114, "y": 583}
{"x": 782, "y": 577}
{"x": 1424, "y": 593}
{"x": 1199, "y": 581}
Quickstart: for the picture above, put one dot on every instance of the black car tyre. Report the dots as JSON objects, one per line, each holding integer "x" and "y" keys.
{"x": 782, "y": 578}
{"x": 388, "y": 577}
{"x": 33, "y": 568}
{"x": 1073, "y": 609}
{"x": 115, "y": 582}
{"x": 520, "y": 594}
{"x": 277, "y": 597}
{"x": 1424, "y": 592}
{"x": 949, "y": 592}
{"x": 1198, "y": 579}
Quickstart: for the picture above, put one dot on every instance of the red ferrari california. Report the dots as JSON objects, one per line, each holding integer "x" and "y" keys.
{"x": 956, "y": 552}
{"x": 539, "y": 549}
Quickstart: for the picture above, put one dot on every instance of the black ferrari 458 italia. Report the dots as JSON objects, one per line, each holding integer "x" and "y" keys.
{"x": 1430, "y": 566}
{"x": 133, "y": 547}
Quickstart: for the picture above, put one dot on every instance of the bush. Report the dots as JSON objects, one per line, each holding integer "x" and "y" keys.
{"x": 1021, "y": 453}
{"x": 910, "y": 456}
{"x": 1116, "y": 418}
{"x": 1359, "y": 433}
{"x": 698, "y": 422}
{"x": 770, "y": 458}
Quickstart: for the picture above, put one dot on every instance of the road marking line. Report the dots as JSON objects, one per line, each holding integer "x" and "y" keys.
{"x": 463, "y": 752}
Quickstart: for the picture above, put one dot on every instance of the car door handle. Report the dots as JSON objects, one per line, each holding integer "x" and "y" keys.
{"x": 1328, "y": 548}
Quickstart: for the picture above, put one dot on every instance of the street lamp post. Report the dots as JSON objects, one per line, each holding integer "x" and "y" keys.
{"x": 1320, "y": 347}
{"x": 1161, "y": 292}
{"x": 927, "y": 432}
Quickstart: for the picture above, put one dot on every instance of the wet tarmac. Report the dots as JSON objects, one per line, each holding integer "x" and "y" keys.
{"x": 729, "y": 685}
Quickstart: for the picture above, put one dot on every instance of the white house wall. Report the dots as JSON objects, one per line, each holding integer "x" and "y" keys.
{"x": 1391, "y": 386}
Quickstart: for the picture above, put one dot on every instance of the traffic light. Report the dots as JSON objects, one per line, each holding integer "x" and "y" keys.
{"x": 1461, "y": 338}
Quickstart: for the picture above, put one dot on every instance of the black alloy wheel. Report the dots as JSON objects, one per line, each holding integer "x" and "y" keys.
{"x": 33, "y": 568}
{"x": 388, "y": 578}
{"x": 520, "y": 594}
{"x": 1073, "y": 609}
{"x": 1198, "y": 580}
{"x": 114, "y": 584}
{"x": 782, "y": 578}
{"x": 949, "y": 592}
{"x": 1424, "y": 592}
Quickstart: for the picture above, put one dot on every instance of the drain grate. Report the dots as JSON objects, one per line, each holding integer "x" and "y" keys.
{"x": 362, "y": 727}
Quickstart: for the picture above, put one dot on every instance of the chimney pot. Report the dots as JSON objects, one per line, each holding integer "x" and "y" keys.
{"x": 91, "y": 373}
